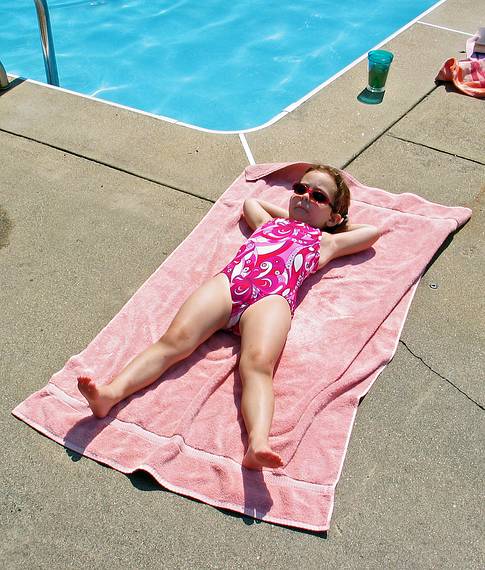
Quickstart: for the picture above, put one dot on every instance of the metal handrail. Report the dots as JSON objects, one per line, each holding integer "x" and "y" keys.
{"x": 47, "y": 42}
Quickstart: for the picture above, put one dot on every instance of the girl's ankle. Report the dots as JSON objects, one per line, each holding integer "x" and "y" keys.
{"x": 258, "y": 441}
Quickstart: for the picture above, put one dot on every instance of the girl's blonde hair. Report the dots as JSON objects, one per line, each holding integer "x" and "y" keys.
{"x": 341, "y": 202}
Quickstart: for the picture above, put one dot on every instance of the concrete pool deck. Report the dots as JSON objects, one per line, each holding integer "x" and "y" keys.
{"x": 94, "y": 197}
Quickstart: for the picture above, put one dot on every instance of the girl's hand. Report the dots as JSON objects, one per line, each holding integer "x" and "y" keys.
{"x": 355, "y": 238}
{"x": 258, "y": 212}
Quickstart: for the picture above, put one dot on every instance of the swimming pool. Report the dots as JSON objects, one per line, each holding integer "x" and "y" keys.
{"x": 218, "y": 65}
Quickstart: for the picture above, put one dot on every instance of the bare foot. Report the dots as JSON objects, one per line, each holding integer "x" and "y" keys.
{"x": 261, "y": 456}
{"x": 99, "y": 401}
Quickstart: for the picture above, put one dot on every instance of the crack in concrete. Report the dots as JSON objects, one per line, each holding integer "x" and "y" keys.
{"x": 387, "y": 129}
{"x": 441, "y": 376}
{"x": 436, "y": 149}
{"x": 90, "y": 159}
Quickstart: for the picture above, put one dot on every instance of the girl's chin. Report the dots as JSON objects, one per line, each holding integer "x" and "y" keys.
{"x": 300, "y": 213}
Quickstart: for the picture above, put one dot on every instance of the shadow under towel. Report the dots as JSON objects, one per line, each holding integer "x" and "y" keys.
{"x": 186, "y": 429}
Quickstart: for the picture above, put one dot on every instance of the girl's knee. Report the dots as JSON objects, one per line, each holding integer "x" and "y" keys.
{"x": 178, "y": 337}
{"x": 256, "y": 360}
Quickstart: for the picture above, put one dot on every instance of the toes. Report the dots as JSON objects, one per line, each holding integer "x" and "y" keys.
{"x": 83, "y": 380}
{"x": 269, "y": 459}
{"x": 259, "y": 459}
{"x": 86, "y": 386}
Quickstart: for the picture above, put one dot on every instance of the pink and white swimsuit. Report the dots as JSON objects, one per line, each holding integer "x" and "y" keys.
{"x": 275, "y": 260}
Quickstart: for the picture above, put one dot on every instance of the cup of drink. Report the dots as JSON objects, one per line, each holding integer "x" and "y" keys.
{"x": 379, "y": 62}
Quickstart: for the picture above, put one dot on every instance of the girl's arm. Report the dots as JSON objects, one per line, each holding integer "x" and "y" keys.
{"x": 357, "y": 237}
{"x": 258, "y": 212}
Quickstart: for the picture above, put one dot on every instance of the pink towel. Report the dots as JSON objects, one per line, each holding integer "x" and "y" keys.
{"x": 186, "y": 429}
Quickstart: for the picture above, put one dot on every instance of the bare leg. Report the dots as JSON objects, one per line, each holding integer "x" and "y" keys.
{"x": 264, "y": 328}
{"x": 205, "y": 311}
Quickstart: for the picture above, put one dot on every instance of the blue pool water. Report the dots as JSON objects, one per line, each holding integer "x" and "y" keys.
{"x": 217, "y": 64}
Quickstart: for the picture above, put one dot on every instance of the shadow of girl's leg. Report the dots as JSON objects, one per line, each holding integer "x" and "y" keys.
{"x": 204, "y": 312}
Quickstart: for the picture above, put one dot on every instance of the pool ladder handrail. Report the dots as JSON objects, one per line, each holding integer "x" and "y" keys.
{"x": 47, "y": 42}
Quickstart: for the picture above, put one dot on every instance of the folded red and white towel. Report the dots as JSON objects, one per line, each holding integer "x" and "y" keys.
{"x": 468, "y": 75}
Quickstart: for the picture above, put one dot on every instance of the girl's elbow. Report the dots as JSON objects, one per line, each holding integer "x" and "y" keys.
{"x": 375, "y": 233}
{"x": 372, "y": 235}
{"x": 247, "y": 203}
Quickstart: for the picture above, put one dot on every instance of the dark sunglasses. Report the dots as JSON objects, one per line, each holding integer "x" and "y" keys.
{"x": 315, "y": 194}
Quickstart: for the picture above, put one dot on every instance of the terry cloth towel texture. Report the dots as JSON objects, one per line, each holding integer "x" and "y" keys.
{"x": 186, "y": 429}
{"x": 468, "y": 75}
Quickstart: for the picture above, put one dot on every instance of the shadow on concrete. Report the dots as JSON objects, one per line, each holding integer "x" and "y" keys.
{"x": 143, "y": 481}
{"x": 73, "y": 455}
{"x": 369, "y": 97}
{"x": 442, "y": 248}
{"x": 249, "y": 521}
{"x": 12, "y": 84}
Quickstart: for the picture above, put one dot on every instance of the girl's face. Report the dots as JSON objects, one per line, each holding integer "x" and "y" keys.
{"x": 305, "y": 209}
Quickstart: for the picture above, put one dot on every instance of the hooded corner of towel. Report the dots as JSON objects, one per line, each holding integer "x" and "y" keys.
{"x": 463, "y": 214}
{"x": 351, "y": 181}
{"x": 257, "y": 171}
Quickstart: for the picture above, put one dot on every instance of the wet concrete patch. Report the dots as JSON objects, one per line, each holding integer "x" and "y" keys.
{"x": 6, "y": 226}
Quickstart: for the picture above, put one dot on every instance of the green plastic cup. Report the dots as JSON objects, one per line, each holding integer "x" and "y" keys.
{"x": 379, "y": 62}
